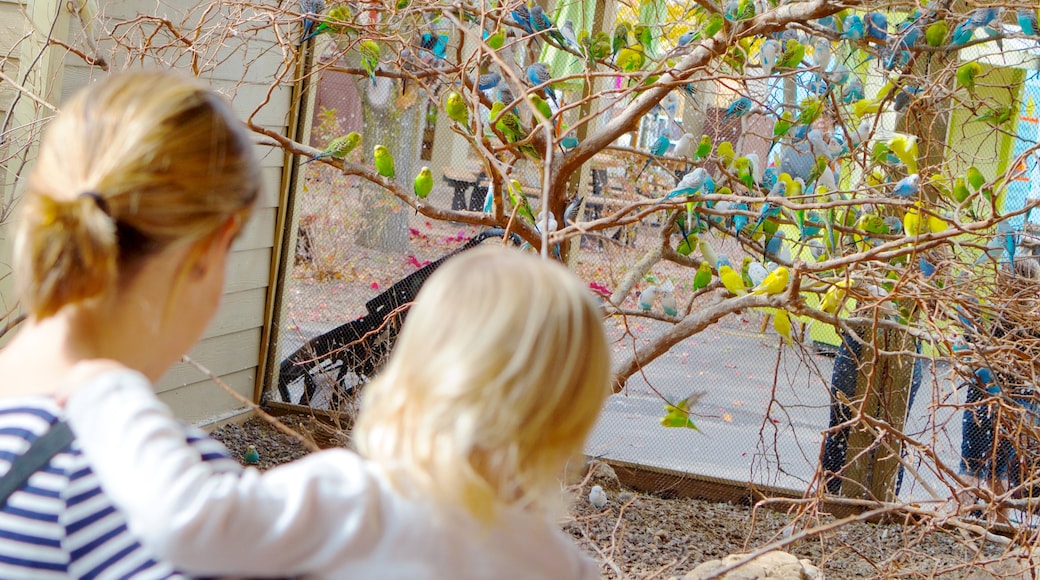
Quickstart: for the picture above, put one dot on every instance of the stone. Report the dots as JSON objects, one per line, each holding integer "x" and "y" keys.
{"x": 776, "y": 564}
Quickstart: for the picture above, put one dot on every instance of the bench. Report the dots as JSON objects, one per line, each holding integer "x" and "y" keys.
{"x": 461, "y": 180}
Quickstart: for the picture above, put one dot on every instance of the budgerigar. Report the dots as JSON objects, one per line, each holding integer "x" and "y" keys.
{"x": 423, "y": 183}
{"x": 369, "y": 50}
{"x": 1027, "y": 20}
{"x": 337, "y": 14}
{"x": 692, "y": 183}
{"x": 774, "y": 283}
{"x": 876, "y": 26}
{"x": 339, "y": 147}
{"x": 731, "y": 280}
{"x": 496, "y": 40}
{"x": 251, "y": 456}
{"x": 967, "y": 73}
{"x": 309, "y": 9}
{"x": 647, "y": 298}
{"x": 782, "y": 324}
{"x": 756, "y": 272}
{"x": 908, "y": 186}
{"x": 522, "y": 17}
{"x": 935, "y": 34}
{"x": 767, "y": 55}
{"x": 620, "y": 39}
{"x": 684, "y": 147}
{"x": 737, "y": 109}
{"x": 457, "y": 110}
{"x": 597, "y": 497}
{"x": 666, "y": 293}
{"x": 540, "y": 22}
{"x": 567, "y": 30}
{"x": 538, "y": 74}
{"x": 703, "y": 276}
{"x": 905, "y": 148}
{"x": 853, "y": 27}
{"x": 657, "y": 149}
{"x": 384, "y": 162}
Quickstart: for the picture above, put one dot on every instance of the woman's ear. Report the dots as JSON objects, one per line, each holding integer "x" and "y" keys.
{"x": 210, "y": 251}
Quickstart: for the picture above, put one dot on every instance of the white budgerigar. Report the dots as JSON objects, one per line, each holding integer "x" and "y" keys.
{"x": 684, "y": 147}
{"x": 597, "y": 497}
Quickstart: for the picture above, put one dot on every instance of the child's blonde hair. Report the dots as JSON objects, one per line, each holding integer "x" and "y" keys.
{"x": 494, "y": 384}
{"x": 131, "y": 165}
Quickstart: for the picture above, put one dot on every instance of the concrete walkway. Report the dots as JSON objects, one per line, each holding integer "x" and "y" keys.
{"x": 754, "y": 428}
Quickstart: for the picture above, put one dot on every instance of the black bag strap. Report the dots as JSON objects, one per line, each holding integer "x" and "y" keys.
{"x": 45, "y": 447}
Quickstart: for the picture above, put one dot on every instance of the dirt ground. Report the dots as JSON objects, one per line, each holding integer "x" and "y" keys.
{"x": 640, "y": 536}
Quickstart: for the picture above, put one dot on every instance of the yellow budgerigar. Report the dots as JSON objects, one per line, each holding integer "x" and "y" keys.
{"x": 774, "y": 283}
{"x": 731, "y": 280}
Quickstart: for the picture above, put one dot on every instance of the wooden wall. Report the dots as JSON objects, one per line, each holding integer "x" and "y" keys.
{"x": 241, "y": 62}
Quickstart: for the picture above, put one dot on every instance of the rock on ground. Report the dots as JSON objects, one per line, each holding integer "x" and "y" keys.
{"x": 775, "y": 564}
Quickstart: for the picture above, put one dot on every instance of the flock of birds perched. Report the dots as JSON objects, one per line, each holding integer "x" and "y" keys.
{"x": 738, "y": 193}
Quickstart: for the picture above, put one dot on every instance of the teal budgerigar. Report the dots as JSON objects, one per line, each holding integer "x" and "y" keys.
{"x": 251, "y": 457}
{"x": 384, "y": 162}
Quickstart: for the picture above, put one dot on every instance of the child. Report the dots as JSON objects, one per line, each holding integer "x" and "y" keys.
{"x": 496, "y": 380}
{"x": 141, "y": 183}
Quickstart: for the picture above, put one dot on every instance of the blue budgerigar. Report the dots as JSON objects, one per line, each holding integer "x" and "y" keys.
{"x": 908, "y": 186}
{"x": 540, "y": 22}
{"x": 522, "y": 17}
{"x": 488, "y": 81}
{"x": 737, "y": 109}
{"x": 309, "y": 9}
{"x": 538, "y": 74}
{"x": 876, "y": 26}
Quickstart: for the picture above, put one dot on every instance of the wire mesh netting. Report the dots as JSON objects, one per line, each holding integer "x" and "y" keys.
{"x": 898, "y": 370}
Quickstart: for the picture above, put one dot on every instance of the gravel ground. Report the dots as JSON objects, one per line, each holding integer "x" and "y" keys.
{"x": 644, "y": 536}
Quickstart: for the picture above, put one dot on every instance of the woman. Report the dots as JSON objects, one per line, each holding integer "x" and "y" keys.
{"x": 141, "y": 184}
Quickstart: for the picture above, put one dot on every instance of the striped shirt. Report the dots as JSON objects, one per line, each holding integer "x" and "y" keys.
{"x": 60, "y": 524}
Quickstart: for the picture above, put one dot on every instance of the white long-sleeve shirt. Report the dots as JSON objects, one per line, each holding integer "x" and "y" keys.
{"x": 331, "y": 514}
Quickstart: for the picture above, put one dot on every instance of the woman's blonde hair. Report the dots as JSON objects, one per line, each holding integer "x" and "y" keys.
{"x": 131, "y": 165}
{"x": 494, "y": 384}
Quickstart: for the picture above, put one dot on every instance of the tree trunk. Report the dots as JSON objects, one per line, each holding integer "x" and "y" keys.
{"x": 883, "y": 385}
{"x": 393, "y": 120}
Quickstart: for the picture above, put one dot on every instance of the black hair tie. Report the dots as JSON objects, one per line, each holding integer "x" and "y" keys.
{"x": 98, "y": 200}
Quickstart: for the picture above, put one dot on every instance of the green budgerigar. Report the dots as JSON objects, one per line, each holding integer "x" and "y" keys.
{"x": 703, "y": 148}
{"x": 369, "y": 50}
{"x": 339, "y": 147}
{"x": 703, "y": 276}
{"x": 384, "y": 162}
{"x": 509, "y": 126}
{"x": 497, "y": 40}
{"x": 935, "y": 34}
{"x": 967, "y": 73}
{"x": 620, "y": 38}
{"x": 541, "y": 106}
{"x": 423, "y": 183}
{"x": 457, "y": 110}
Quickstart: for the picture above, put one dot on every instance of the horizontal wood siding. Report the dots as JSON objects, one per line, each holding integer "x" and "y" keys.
{"x": 241, "y": 65}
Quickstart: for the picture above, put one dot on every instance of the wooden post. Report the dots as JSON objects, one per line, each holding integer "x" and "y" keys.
{"x": 883, "y": 385}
